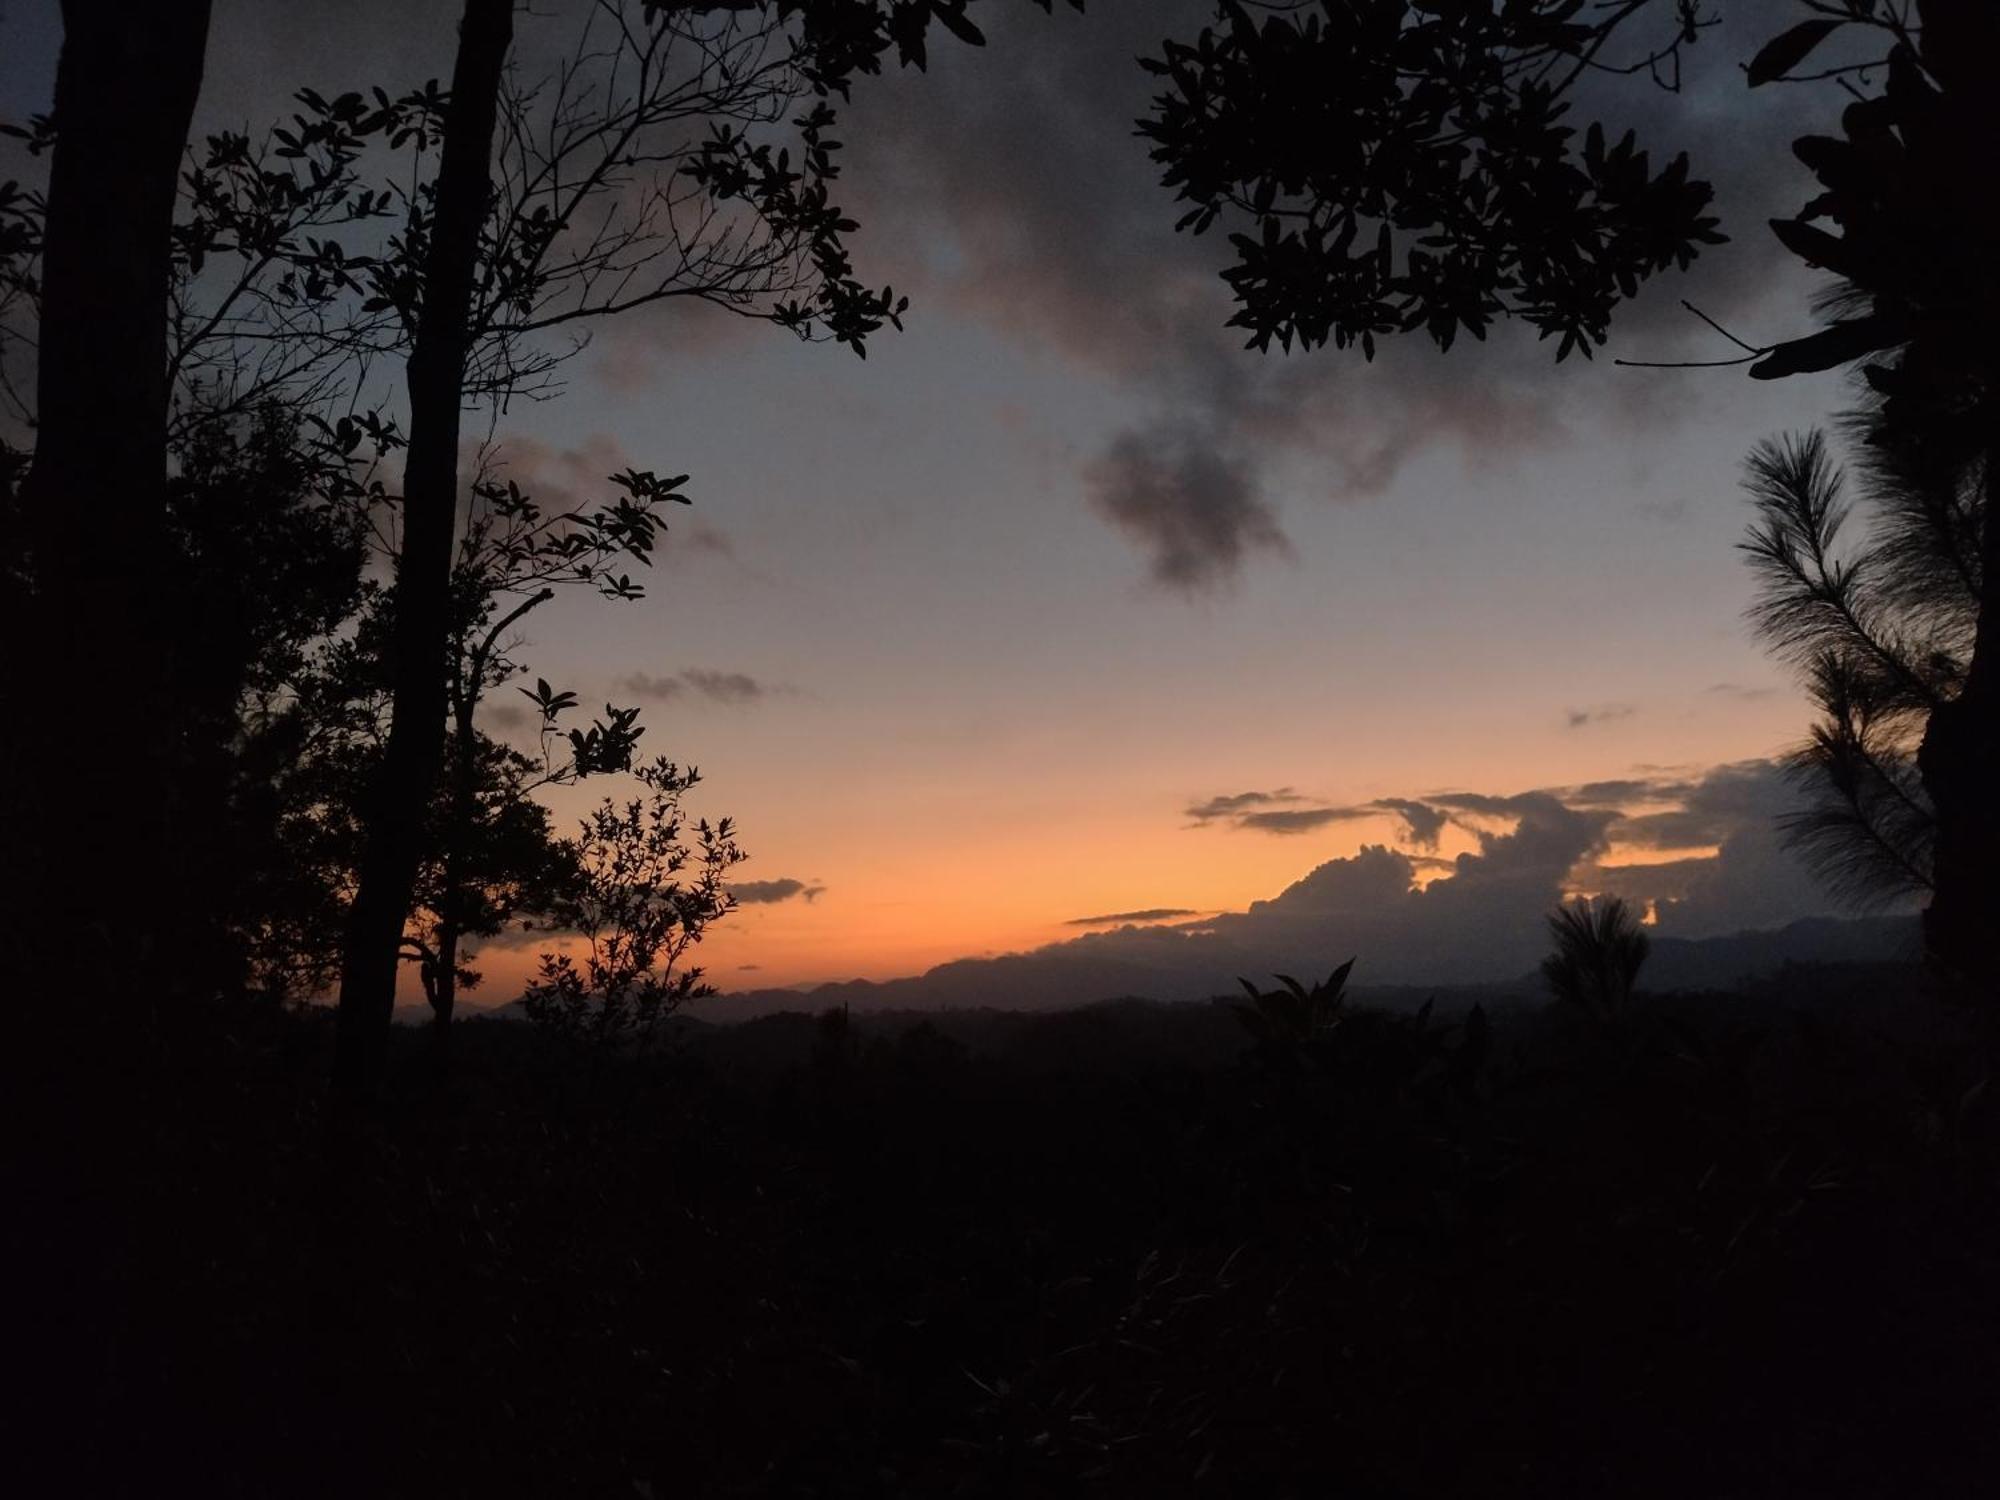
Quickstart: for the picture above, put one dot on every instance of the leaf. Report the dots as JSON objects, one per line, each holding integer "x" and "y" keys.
{"x": 1844, "y": 341}
{"x": 1815, "y": 246}
{"x": 954, "y": 20}
{"x": 1787, "y": 50}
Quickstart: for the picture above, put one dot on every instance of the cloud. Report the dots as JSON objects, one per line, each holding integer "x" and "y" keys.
{"x": 1603, "y": 713}
{"x": 660, "y": 689}
{"x": 733, "y": 688}
{"x": 1424, "y": 823}
{"x": 1190, "y": 505}
{"x": 1740, "y": 691}
{"x": 1299, "y": 819}
{"x": 724, "y": 687}
{"x": 1123, "y": 918}
{"x": 1623, "y": 791}
{"x": 1481, "y": 921}
{"x": 1235, "y": 803}
{"x": 771, "y": 892}
{"x": 1280, "y": 812}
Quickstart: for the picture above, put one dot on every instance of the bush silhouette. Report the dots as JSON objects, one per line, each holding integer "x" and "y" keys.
{"x": 1600, "y": 947}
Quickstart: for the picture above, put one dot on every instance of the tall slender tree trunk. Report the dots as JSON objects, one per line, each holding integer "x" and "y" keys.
{"x": 91, "y": 903}
{"x": 1960, "y": 761}
{"x": 96, "y": 796}
{"x": 420, "y": 634}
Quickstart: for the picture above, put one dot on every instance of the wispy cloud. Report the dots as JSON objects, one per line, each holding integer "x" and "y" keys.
{"x": 771, "y": 892}
{"x": 1234, "y": 804}
{"x": 1602, "y": 713}
{"x": 1740, "y": 691}
{"x": 1126, "y": 918}
{"x": 1287, "y": 820}
{"x": 732, "y": 688}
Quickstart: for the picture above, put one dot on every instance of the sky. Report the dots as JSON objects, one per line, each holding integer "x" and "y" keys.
{"x": 1062, "y": 607}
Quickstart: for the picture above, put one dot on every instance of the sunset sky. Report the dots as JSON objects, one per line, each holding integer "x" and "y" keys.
{"x": 971, "y": 637}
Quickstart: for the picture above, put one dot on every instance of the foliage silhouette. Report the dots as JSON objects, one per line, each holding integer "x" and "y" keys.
{"x": 559, "y": 203}
{"x": 960, "y": 1257}
{"x": 1882, "y": 633}
{"x": 1292, "y": 1014}
{"x": 1398, "y": 168}
{"x": 639, "y": 908}
{"x": 1600, "y": 948}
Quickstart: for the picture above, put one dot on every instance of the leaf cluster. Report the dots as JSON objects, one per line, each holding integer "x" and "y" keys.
{"x": 646, "y": 888}
{"x": 1397, "y": 166}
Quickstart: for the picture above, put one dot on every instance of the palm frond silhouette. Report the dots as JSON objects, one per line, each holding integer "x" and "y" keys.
{"x": 1600, "y": 948}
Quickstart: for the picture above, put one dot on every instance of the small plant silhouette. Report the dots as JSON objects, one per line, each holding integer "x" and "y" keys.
{"x": 1600, "y": 947}
{"x": 1292, "y": 1014}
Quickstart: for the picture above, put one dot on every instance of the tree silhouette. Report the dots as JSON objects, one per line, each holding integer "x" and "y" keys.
{"x": 93, "y": 551}
{"x": 1882, "y": 633}
{"x": 1600, "y": 948}
{"x": 446, "y": 270}
{"x": 577, "y": 198}
{"x": 639, "y": 908}
{"x": 1394, "y": 168}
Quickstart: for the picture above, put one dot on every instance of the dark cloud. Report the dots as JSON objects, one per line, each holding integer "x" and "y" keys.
{"x": 734, "y": 688}
{"x": 770, "y": 892}
{"x": 1484, "y": 804}
{"x": 1123, "y": 918}
{"x": 1624, "y": 791}
{"x": 1424, "y": 823}
{"x": 1300, "y": 819}
{"x": 1192, "y": 507}
{"x": 1603, "y": 713}
{"x": 1281, "y": 812}
{"x": 1713, "y": 807}
{"x": 1235, "y": 803}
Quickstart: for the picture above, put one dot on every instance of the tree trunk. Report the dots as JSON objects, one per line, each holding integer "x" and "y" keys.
{"x": 421, "y": 628}
{"x": 464, "y": 788}
{"x": 91, "y": 898}
{"x": 95, "y": 797}
{"x": 1960, "y": 761}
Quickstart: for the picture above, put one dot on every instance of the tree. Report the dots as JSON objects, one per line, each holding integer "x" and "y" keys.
{"x": 1432, "y": 137}
{"x": 639, "y": 910}
{"x": 490, "y": 839}
{"x": 597, "y": 201}
{"x": 1881, "y": 631}
{"x": 435, "y": 377}
{"x": 1600, "y": 948}
{"x": 92, "y": 506}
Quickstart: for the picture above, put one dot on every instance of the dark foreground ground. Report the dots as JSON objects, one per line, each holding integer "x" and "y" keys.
{"x": 1735, "y": 1246}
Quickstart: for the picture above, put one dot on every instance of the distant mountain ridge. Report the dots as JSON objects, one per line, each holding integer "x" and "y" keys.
{"x": 1055, "y": 981}
{"x": 1058, "y": 980}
